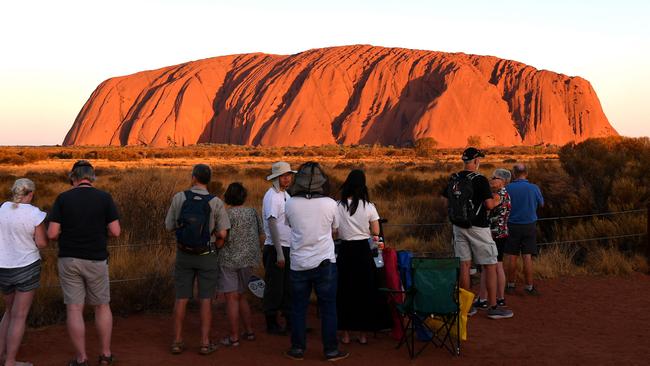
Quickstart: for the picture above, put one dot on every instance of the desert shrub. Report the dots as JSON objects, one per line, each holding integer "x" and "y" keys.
{"x": 425, "y": 147}
{"x": 396, "y": 185}
{"x": 474, "y": 141}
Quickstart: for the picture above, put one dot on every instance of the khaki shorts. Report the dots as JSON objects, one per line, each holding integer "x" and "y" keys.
{"x": 84, "y": 281}
{"x": 475, "y": 243}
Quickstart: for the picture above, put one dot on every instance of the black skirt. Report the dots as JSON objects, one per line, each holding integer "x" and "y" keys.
{"x": 359, "y": 303}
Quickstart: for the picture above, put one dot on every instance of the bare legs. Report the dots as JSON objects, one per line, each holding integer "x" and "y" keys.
{"x": 528, "y": 268}
{"x": 12, "y": 326}
{"x": 236, "y": 306}
{"x": 501, "y": 283}
{"x": 77, "y": 328}
{"x": 180, "y": 308}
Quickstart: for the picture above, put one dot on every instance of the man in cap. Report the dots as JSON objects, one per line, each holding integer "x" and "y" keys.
{"x": 275, "y": 256}
{"x": 526, "y": 199}
{"x": 469, "y": 198}
{"x": 196, "y": 257}
{"x": 82, "y": 219}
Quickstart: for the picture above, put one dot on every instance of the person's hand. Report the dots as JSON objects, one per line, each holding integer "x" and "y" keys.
{"x": 496, "y": 197}
{"x": 280, "y": 264}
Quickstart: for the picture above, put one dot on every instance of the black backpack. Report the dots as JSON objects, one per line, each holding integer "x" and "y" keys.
{"x": 193, "y": 232}
{"x": 460, "y": 191}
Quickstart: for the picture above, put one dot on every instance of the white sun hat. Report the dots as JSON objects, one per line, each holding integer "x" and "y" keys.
{"x": 279, "y": 168}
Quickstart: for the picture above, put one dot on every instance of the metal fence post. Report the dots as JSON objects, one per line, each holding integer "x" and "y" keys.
{"x": 647, "y": 235}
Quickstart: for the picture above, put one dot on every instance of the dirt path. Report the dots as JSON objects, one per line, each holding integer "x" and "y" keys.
{"x": 576, "y": 321}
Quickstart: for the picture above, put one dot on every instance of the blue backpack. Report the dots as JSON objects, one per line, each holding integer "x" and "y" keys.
{"x": 193, "y": 230}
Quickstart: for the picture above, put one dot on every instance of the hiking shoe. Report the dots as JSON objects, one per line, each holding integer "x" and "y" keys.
{"x": 295, "y": 354}
{"x": 499, "y": 313}
{"x": 501, "y": 302}
{"x": 533, "y": 291}
{"x": 338, "y": 355}
{"x": 480, "y": 304}
{"x": 472, "y": 311}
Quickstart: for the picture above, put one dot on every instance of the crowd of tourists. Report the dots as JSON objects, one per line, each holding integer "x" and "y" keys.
{"x": 218, "y": 249}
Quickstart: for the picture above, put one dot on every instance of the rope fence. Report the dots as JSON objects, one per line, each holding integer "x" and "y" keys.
{"x": 439, "y": 224}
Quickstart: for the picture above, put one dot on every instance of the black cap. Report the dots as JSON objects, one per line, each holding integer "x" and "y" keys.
{"x": 472, "y": 153}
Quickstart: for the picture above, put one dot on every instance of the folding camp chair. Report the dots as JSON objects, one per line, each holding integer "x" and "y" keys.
{"x": 434, "y": 293}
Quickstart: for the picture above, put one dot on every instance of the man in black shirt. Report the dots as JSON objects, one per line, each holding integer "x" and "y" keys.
{"x": 472, "y": 239}
{"x": 81, "y": 220}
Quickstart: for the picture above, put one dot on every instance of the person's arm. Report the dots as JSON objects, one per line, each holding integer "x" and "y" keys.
{"x": 275, "y": 239}
{"x": 40, "y": 236}
{"x": 540, "y": 198}
{"x": 493, "y": 202}
{"x": 220, "y": 238}
{"x": 172, "y": 214}
{"x": 53, "y": 230}
{"x": 374, "y": 228}
{"x": 114, "y": 228}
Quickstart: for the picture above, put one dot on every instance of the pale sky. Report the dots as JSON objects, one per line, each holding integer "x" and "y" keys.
{"x": 53, "y": 54}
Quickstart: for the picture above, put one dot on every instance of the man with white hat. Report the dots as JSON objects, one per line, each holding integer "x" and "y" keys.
{"x": 276, "y": 248}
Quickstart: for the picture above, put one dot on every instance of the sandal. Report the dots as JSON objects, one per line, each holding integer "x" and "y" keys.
{"x": 206, "y": 349}
{"x": 74, "y": 362}
{"x": 177, "y": 348}
{"x": 249, "y": 336}
{"x": 229, "y": 342}
{"x": 106, "y": 360}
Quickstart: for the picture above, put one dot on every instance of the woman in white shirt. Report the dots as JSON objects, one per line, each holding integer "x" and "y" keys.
{"x": 22, "y": 233}
{"x": 359, "y": 302}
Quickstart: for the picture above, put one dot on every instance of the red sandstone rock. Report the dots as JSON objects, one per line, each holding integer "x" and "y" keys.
{"x": 351, "y": 95}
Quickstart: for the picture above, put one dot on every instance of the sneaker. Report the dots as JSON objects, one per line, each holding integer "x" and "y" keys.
{"x": 480, "y": 304}
{"x": 472, "y": 311}
{"x": 338, "y": 355}
{"x": 499, "y": 313}
{"x": 295, "y": 354}
{"x": 501, "y": 302}
{"x": 533, "y": 291}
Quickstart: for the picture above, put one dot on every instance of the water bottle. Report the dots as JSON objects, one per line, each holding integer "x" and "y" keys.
{"x": 376, "y": 246}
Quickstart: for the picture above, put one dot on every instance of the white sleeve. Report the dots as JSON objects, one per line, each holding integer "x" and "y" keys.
{"x": 335, "y": 211}
{"x": 371, "y": 210}
{"x": 38, "y": 216}
{"x": 287, "y": 213}
{"x": 274, "y": 207}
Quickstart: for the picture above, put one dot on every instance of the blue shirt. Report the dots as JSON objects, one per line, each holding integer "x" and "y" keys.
{"x": 525, "y": 198}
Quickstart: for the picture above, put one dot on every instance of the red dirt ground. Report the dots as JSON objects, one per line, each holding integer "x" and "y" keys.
{"x": 576, "y": 321}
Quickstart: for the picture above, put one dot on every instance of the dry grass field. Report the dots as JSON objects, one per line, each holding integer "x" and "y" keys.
{"x": 597, "y": 176}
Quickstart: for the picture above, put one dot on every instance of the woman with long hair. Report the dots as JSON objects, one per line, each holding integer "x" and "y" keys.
{"x": 22, "y": 233}
{"x": 359, "y": 302}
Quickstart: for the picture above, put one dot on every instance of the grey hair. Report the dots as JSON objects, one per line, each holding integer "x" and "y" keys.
{"x": 83, "y": 172}
{"x": 519, "y": 169}
{"x": 21, "y": 188}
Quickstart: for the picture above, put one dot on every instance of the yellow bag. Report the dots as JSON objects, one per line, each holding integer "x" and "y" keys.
{"x": 466, "y": 299}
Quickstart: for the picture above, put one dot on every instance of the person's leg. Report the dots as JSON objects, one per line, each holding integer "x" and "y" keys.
{"x": 511, "y": 276}
{"x": 232, "y": 310}
{"x": 501, "y": 281}
{"x": 104, "y": 324}
{"x": 4, "y": 324}
{"x": 206, "y": 320}
{"x": 180, "y": 306}
{"x": 245, "y": 312}
{"x": 301, "y": 286}
{"x": 464, "y": 275}
{"x": 285, "y": 304}
{"x": 77, "y": 330}
{"x": 21, "y": 304}
{"x": 325, "y": 284}
{"x": 528, "y": 269}
{"x": 483, "y": 292}
{"x": 491, "y": 283}
{"x": 273, "y": 277}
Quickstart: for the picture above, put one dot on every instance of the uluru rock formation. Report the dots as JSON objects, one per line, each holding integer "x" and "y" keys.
{"x": 350, "y": 95}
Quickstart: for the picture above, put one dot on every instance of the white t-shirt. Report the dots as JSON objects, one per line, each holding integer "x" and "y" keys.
{"x": 273, "y": 206}
{"x": 311, "y": 221}
{"x": 357, "y": 226}
{"x": 17, "y": 225}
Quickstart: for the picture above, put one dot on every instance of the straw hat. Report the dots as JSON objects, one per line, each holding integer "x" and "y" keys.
{"x": 279, "y": 168}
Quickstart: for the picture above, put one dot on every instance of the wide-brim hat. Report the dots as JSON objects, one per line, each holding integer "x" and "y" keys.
{"x": 279, "y": 168}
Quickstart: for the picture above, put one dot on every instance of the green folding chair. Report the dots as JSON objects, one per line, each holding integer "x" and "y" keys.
{"x": 434, "y": 293}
